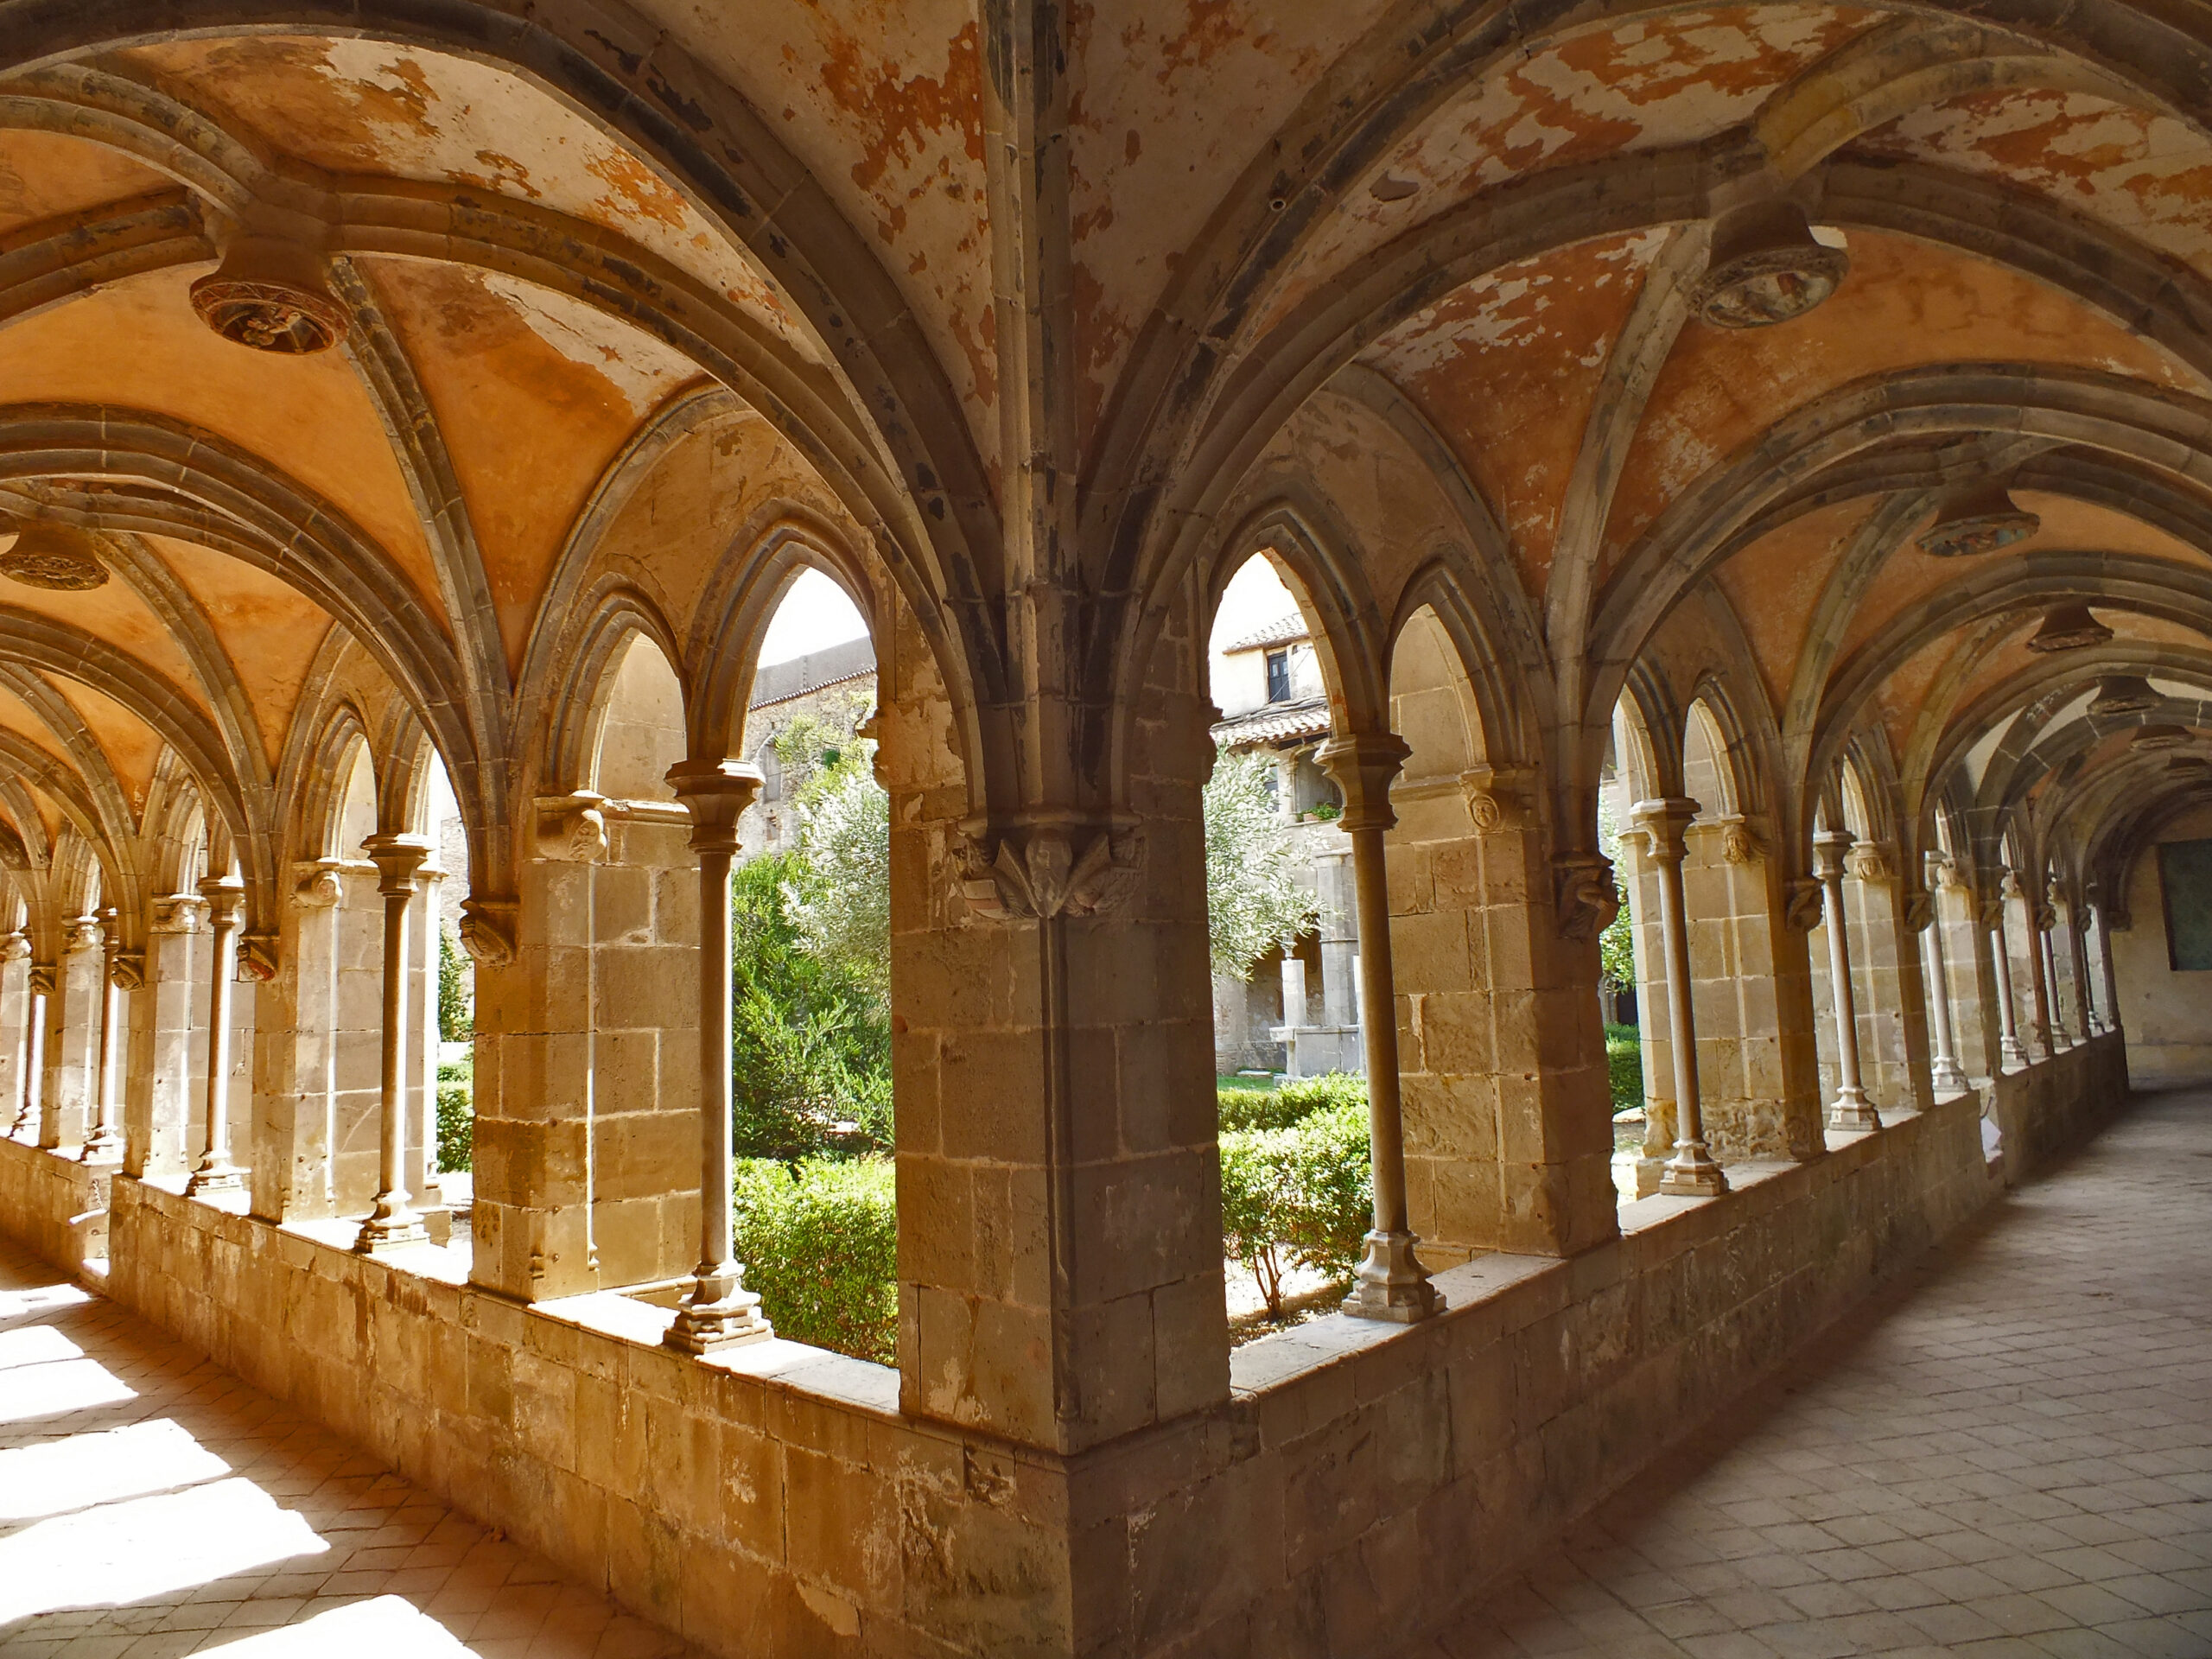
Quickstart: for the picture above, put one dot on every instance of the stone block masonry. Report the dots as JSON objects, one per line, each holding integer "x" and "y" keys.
{"x": 774, "y": 1501}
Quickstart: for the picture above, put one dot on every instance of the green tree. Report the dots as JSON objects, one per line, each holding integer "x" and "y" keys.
{"x": 840, "y": 889}
{"x": 1253, "y": 900}
{"x": 456, "y": 1003}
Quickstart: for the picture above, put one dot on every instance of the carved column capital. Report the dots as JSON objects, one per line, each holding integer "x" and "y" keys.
{"x": 715, "y": 793}
{"x": 46, "y": 978}
{"x": 1663, "y": 824}
{"x": 258, "y": 957}
{"x": 398, "y": 859}
{"x": 318, "y": 883}
{"x": 84, "y": 933}
{"x": 176, "y": 912}
{"x": 1871, "y": 860}
{"x": 1364, "y": 765}
{"x": 1919, "y": 911}
{"x": 128, "y": 971}
{"x": 1739, "y": 842}
{"x": 1831, "y": 854}
{"x": 1045, "y": 870}
{"x": 14, "y": 947}
{"x": 1585, "y": 900}
{"x": 1497, "y": 796}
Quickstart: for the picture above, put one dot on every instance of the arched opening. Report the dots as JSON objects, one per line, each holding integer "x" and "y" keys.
{"x": 1283, "y": 943}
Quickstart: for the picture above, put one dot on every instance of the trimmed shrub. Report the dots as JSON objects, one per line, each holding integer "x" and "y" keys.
{"x": 456, "y": 1113}
{"x": 1297, "y": 1195}
{"x": 1298, "y": 1099}
{"x": 820, "y": 1244}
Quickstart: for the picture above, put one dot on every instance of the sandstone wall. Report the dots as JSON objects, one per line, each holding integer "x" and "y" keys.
{"x": 1362, "y": 1479}
{"x": 54, "y": 1205}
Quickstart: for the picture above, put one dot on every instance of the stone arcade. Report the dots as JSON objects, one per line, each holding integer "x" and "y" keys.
{"x": 1735, "y": 409}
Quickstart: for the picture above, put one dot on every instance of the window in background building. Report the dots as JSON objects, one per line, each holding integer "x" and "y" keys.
{"x": 1278, "y": 676}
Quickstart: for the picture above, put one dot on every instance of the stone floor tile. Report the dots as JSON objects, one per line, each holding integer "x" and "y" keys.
{"x": 330, "y": 1529}
{"x": 2007, "y": 1454}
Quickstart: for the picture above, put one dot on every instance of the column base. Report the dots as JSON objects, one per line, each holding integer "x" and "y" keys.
{"x": 395, "y": 1227}
{"x": 717, "y": 1316}
{"x": 1393, "y": 1285}
{"x": 223, "y": 1176}
{"x": 100, "y": 1149}
{"x": 1945, "y": 1075}
{"x": 2011, "y": 1052}
{"x": 1691, "y": 1173}
{"x": 1852, "y": 1112}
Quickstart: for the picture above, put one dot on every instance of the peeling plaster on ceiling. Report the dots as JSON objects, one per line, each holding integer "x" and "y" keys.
{"x": 1148, "y": 160}
{"x": 530, "y": 416}
{"x": 639, "y": 369}
{"x": 2142, "y": 172}
{"x": 1775, "y": 585}
{"x": 268, "y": 630}
{"x": 884, "y": 103}
{"x": 1646, "y": 84}
{"x": 1905, "y": 304}
{"x": 360, "y": 106}
{"x": 264, "y": 404}
{"x": 47, "y": 175}
{"x": 1511, "y": 366}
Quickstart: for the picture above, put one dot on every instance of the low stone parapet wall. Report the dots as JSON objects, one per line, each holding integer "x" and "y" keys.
{"x": 55, "y": 1205}
{"x": 1363, "y": 1481}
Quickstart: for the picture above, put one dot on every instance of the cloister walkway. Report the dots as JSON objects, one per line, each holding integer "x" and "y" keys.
{"x": 151, "y": 1503}
{"x": 2007, "y": 1455}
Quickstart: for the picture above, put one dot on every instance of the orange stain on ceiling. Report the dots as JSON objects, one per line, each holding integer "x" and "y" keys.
{"x": 1775, "y": 585}
{"x": 533, "y": 398}
{"x": 137, "y": 346}
{"x": 269, "y": 632}
{"x": 1510, "y": 366}
{"x": 47, "y": 175}
{"x": 132, "y": 748}
{"x": 1904, "y": 305}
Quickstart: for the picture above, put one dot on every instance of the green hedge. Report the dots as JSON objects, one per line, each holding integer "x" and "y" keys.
{"x": 1624, "y": 1065}
{"x": 1300, "y": 1195}
{"x": 820, "y": 1244}
{"x": 456, "y": 1113}
{"x": 1293, "y": 1101}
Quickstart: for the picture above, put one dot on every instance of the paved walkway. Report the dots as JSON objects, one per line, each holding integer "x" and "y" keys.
{"x": 153, "y": 1504}
{"x": 2008, "y": 1456}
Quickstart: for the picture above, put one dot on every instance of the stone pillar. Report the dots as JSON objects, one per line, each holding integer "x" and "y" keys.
{"x": 157, "y": 1115}
{"x": 226, "y": 897}
{"x": 1340, "y": 935}
{"x": 1502, "y": 1080}
{"x": 2077, "y": 951}
{"x": 2009, "y": 1049}
{"x": 1851, "y": 1109}
{"x": 1889, "y": 994}
{"x": 393, "y": 1221}
{"x": 15, "y": 1013}
{"x": 1758, "y": 1061}
{"x": 2049, "y": 1035}
{"x": 1392, "y": 1283}
{"x": 1944, "y": 1069}
{"x": 39, "y": 989}
{"x": 1691, "y": 1172}
{"x": 72, "y": 1056}
{"x": 718, "y": 1312}
{"x": 1294, "y": 992}
{"x": 104, "y": 1137}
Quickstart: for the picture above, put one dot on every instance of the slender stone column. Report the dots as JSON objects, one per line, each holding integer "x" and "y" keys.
{"x": 1851, "y": 1109}
{"x": 17, "y": 1013}
{"x": 1392, "y": 1283}
{"x": 41, "y": 983}
{"x": 719, "y": 1311}
{"x": 2104, "y": 962}
{"x": 2084, "y": 992}
{"x": 103, "y": 1139}
{"x": 2009, "y": 1049}
{"x": 226, "y": 897}
{"x": 394, "y": 1222}
{"x": 1944, "y": 1069}
{"x": 1691, "y": 1172}
{"x": 2049, "y": 1016}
